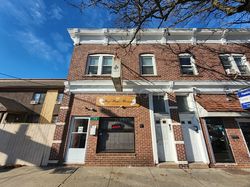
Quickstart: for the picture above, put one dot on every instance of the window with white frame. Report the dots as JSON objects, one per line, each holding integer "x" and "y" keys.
{"x": 147, "y": 63}
{"x": 187, "y": 64}
{"x": 100, "y": 64}
{"x": 235, "y": 64}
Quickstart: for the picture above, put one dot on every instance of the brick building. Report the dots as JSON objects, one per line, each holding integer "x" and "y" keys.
{"x": 169, "y": 97}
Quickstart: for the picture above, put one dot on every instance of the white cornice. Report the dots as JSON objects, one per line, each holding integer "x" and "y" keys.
{"x": 141, "y": 86}
{"x": 159, "y": 36}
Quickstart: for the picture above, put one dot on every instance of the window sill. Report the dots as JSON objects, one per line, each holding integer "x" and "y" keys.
{"x": 116, "y": 154}
{"x": 150, "y": 75}
{"x": 191, "y": 76}
{"x": 107, "y": 75}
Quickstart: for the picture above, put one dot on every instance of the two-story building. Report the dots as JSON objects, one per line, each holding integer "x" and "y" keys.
{"x": 168, "y": 96}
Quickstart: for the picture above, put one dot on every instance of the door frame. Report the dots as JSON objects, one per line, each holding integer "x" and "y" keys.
{"x": 239, "y": 120}
{"x": 72, "y": 118}
{"x": 211, "y": 147}
{"x": 202, "y": 144}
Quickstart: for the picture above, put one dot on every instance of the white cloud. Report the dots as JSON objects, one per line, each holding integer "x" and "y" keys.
{"x": 40, "y": 48}
{"x": 26, "y": 13}
{"x": 56, "y": 12}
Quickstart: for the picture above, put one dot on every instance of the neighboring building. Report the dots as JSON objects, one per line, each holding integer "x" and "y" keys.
{"x": 174, "y": 101}
{"x": 30, "y": 100}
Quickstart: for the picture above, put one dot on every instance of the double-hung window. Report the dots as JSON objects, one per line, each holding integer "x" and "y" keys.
{"x": 147, "y": 63}
{"x": 100, "y": 64}
{"x": 235, "y": 64}
{"x": 187, "y": 64}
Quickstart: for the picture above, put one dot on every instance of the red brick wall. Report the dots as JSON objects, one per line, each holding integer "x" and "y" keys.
{"x": 206, "y": 58}
{"x": 143, "y": 155}
{"x": 238, "y": 146}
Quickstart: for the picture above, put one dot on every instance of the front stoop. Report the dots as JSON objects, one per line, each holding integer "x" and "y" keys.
{"x": 171, "y": 165}
{"x": 198, "y": 165}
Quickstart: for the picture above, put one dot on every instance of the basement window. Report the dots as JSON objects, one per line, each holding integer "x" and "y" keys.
{"x": 116, "y": 135}
{"x": 235, "y": 64}
{"x": 187, "y": 64}
{"x": 100, "y": 64}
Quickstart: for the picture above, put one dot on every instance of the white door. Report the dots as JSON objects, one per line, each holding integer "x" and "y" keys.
{"x": 193, "y": 139}
{"x": 164, "y": 138}
{"x": 77, "y": 140}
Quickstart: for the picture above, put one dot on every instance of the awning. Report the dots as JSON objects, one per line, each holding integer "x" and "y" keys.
{"x": 12, "y": 106}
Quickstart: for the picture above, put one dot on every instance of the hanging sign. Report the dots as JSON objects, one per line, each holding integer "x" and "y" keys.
{"x": 244, "y": 97}
{"x": 117, "y": 101}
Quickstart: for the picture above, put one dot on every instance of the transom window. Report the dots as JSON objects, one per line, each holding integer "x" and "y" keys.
{"x": 235, "y": 64}
{"x": 187, "y": 64}
{"x": 147, "y": 62}
{"x": 100, "y": 64}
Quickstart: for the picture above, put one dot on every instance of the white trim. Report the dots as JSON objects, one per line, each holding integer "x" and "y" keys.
{"x": 192, "y": 63}
{"x": 158, "y": 36}
{"x": 60, "y": 123}
{"x": 156, "y": 86}
{"x": 57, "y": 141}
{"x": 99, "y": 65}
{"x": 153, "y": 133}
{"x": 153, "y": 64}
{"x": 179, "y": 142}
{"x": 182, "y": 162}
{"x": 64, "y": 107}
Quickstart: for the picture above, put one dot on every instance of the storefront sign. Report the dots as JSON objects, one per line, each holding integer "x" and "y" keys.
{"x": 117, "y": 101}
{"x": 244, "y": 97}
{"x": 94, "y": 118}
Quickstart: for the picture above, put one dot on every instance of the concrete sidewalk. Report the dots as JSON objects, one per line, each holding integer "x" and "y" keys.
{"x": 121, "y": 176}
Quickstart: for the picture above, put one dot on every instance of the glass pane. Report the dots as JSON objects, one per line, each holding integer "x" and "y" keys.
{"x": 219, "y": 141}
{"x": 243, "y": 69}
{"x": 187, "y": 70}
{"x": 80, "y": 125}
{"x": 159, "y": 104}
{"x": 93, "y": 60}
{"x": 148, "y": 70}
{"x": 92, "y": 70}
{"x": 147, "y": 61}
{"x": 106, "y": 69}
{"x": 116, "y": 135}
{"x": 226, "y": 62}
{"x": 107, "y": 61}
{"x": 182, "y": 102}
{"x": 238, "y": 60}
{"x": 245, "y": 128}
{"x": 59, "y": 97}
{"x": 36, "y": 97}
{"x": 78, "y": 140}
{"x": 42, "y": 97}
{"x": 185, "y": 60}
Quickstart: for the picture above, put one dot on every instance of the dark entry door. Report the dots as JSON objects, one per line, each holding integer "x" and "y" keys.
{"x": 218, "y": 138}
{"x": 245, "y": 128}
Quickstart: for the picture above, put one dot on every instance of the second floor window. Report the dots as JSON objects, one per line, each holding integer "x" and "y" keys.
{"x": 187, "y": 64}
{"x": 235, "y": 64}
{"x": 99, "y": 64}
{"x": 38, "y": 98}
{"x": 147, "y": 63}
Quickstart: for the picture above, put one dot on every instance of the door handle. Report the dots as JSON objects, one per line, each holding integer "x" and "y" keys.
{"x": 170, "y": 128}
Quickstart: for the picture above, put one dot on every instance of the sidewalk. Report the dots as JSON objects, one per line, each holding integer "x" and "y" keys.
{"x": 121, "y": 176}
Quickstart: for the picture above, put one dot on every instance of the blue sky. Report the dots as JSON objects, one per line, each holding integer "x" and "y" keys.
{"x": 34, "y": 42}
